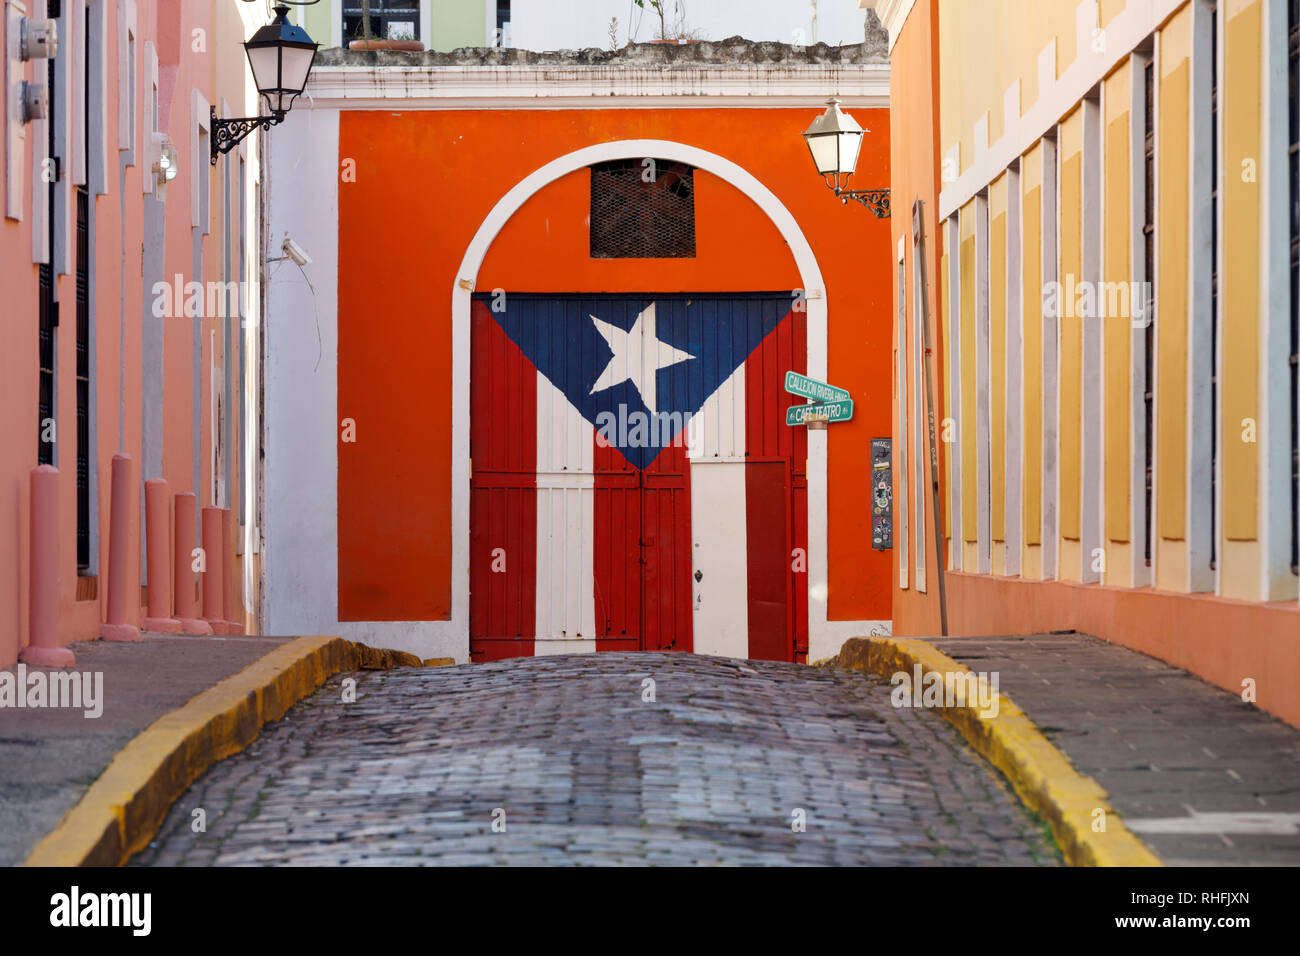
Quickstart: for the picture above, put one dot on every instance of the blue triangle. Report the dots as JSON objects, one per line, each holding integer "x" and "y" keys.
{"x": 559, "y": 337}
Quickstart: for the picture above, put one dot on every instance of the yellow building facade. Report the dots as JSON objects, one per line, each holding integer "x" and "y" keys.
{"x": 1115, "y": 318}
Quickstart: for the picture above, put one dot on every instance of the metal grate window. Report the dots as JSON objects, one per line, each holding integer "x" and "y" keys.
{"x": 389, "y": 19}
{"x": 83, "y": 332}
{"x": 1214, "y": 283}
{"x": 45, "y": 360}
{"x": 642, "y": 209}
{"x": 1293, "y": 25}
{"x": 1149, "y": 258}
{"x": 83, "y": 384}
{"x": 48, "y": 317}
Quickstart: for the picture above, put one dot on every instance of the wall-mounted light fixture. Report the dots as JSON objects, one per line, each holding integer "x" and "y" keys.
{"x": 167, "y": 161}
{"x": 835, "y": 139}
{"x": 35, "y": 101}
{"x": 38, "y": 39}
{"x": 281, "y": 57}
{"x": 30, "y": 38}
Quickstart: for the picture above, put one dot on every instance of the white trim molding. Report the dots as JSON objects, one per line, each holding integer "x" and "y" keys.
{"x": 952, "y": 245}
{"x": 711, "y": 86}
{"x": 824, "y": 637}
{"x": 128, "y": 79}
{"x": 1278, "y": 583}
{"x": 200, "y": 166}
{"x": 1058, "y": 95}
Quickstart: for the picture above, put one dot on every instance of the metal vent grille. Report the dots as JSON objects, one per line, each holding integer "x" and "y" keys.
{"x": 642, "y": 209}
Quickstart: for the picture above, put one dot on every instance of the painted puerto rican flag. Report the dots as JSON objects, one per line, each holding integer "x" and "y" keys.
{"x": 634, "y": 484}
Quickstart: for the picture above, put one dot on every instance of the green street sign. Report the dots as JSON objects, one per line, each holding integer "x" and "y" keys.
{"x": 819, "y": 412}
{"x": 797, "y": 384}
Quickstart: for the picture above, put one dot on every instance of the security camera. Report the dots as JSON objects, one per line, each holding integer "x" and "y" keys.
{"x": 295, "y": 252}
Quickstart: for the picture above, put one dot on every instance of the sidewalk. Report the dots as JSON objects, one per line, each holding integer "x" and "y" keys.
{"x": 50, "y": 757}
{"x": 1200, "y": 776}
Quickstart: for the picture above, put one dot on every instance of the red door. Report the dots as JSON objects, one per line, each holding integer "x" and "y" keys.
{"x": 582, "y": 537}
{"x": 666, "y": 552}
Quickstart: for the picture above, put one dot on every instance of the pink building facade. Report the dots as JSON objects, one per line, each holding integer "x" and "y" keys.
{"x": 129, "y": 322}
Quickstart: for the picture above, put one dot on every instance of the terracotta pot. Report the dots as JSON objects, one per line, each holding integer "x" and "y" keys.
{"x": 405, "y": 46}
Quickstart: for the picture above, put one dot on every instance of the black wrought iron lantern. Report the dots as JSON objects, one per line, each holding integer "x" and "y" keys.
{"x": 281, "y": 55}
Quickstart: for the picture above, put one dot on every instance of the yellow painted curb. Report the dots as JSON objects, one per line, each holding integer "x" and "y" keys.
{"x": 124, "y": 808}
{"x": 1041, "y": 775}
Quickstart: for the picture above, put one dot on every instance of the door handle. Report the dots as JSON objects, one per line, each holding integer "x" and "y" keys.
{"x": 699, "y": 575}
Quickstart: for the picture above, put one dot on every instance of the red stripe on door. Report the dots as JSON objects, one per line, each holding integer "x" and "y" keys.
{"x": 503, "y": 493}
{"x": 666, "y": 550}
{"x": 776, "y": 495}
{"x": 617, "y": 550}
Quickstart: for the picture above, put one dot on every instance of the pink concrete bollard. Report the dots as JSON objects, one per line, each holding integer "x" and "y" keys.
{"x": 157, "y": 508}
{"x": 214, "y": 602}
{"x": 184, "y": 576}
{"x": 43, "y": 648}
{"x": 116, "y": 627}
{"x": 233, "y": 614}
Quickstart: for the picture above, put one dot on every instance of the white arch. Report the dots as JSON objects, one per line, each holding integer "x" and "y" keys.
{"x": 824, "y": 636}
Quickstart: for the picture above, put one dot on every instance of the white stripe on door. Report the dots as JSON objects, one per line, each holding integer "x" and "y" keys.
{"x": 566, "y": 607}
{"x": 719, "y": 542}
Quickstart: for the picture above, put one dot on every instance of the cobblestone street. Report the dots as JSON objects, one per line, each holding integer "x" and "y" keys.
{"x": 565, "y": 753}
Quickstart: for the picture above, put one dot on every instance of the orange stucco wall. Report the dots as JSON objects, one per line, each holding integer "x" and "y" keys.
{"x": 426, "y": 181}
{"x": 915, "y": 175}
{"x": 1221, "y": 640}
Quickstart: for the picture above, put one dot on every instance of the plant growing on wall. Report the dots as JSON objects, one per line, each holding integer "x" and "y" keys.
{"x": 677, "y": 32}
{"x": 393, "y": 41}
{"x": 365, "y": 22}
{"x": 658, "y": 7}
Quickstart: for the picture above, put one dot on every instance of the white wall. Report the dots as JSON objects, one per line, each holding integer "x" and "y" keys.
{"x": 300, "y": 560}
{"x": 575, "y": 24}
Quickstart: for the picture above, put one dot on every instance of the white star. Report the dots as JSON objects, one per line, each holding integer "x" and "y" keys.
{"x": 638, "y": 356}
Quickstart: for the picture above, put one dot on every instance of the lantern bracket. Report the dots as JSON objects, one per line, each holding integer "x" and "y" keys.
{"x": 227, "y": 133}
{"x": 877, "y": 200}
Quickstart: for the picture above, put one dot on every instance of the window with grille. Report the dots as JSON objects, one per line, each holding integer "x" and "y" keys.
{"x": 1214, "y": 282}
{"x": 1149, "y": 260}
{"x": 48, "y": 316}
{"x": 389, "y": 19}
{"x": 503, "y": 23}
{"x": 642, "y": 209}
{"x": 1293, "y": 25}
{"x": 83, "y": 381}
{"x": 83, "y": 321}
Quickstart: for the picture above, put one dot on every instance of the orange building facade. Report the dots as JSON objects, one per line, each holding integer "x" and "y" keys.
{"x": 433, "y": 192}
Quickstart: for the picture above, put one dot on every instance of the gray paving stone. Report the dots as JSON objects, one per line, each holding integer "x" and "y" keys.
{"x": 1163, "y": 743}
{"x": 588, "y": 774}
